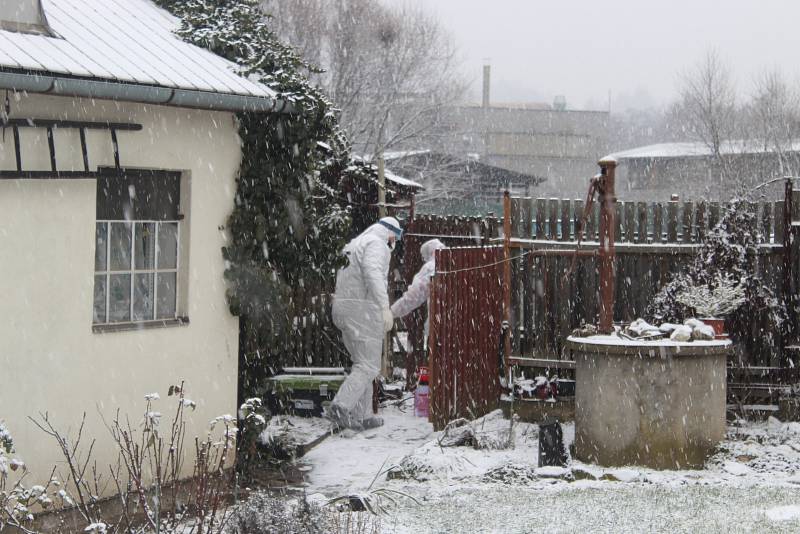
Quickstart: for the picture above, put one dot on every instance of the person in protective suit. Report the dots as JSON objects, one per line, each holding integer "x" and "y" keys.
{"x": 419, "y": 291}
{"x": 361, "y": 311}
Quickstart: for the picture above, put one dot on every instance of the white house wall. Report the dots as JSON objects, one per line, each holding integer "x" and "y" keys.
{"x": 50, "y": 360}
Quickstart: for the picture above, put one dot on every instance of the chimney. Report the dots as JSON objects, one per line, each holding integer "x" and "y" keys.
{"x": 486, "y": 84}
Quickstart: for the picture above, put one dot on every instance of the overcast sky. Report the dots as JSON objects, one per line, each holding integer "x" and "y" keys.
{"x": 634, "y": 48}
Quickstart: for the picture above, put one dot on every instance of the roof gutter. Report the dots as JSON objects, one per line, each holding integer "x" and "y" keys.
{"x": 145, "y": 94}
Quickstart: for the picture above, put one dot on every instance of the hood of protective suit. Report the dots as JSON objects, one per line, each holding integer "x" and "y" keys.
{"x": 429, "y": 247}
{"x": 378, "y": 230}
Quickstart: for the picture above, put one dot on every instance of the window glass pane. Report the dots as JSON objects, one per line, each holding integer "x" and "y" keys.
{"x": 119, "y": 305}
{"x": 168, "y": 245}
{"x": 99, "y": 313}
{"x": 101, "y": 246}
{"x": 144, "y": 246}
{"x": 143, "y": 297}
{"x": 120, "y": 246}
{"x": 166, "y": 296}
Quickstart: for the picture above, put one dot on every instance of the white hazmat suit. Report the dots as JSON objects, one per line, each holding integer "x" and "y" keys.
{"x": 419, "y": 291}
{"x": 361, "y": 311}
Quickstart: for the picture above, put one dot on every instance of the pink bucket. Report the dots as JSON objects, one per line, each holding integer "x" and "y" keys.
{"x": 421, "y": 400}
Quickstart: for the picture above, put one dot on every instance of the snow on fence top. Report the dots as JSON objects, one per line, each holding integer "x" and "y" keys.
{"x": 129, "y": 41}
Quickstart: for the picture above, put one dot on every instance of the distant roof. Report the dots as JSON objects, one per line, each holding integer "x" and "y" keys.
{"x": 438, "y": 161}
{"x": 128, "y": 41}
{"x": 399, "y": 180}
{"x": 688, "y": 150}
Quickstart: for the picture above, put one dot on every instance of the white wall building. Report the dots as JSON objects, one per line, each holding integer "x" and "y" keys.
{"x": 118, "y": 160}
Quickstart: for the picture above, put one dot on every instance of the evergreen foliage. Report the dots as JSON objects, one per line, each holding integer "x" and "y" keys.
{"x": 729, "y": 253}
{"x": 290, "y": 220}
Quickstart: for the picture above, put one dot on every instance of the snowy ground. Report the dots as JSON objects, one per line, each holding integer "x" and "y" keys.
{"x": 751, "y": 484}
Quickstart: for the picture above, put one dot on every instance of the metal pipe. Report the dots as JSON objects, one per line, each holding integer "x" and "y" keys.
{"x": 147, "y": 94}
{"x": 606, "y": 251}
{"x": 507, "y": 273}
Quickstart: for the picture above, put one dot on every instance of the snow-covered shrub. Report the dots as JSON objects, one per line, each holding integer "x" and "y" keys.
{"x": 716, "y": 299}
{"x": 252, "y": 421}
{"x": 17, "y": 502}
{"x": 729, "y": 252}
{"x": 264, "y": 513}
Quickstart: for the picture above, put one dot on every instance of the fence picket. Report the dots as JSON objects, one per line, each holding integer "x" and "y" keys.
{"x": 672, "y": 222}
{"x": 630, "y": 221}
{"x": 552, "y": 220}
{"x": 714, "y": 212}
{"x": 658, "y": 223}
{"x": 527, "y": 222}
{"x": 541, "y": 217}
{"x": 565, "y": 219}
{"x": 765, "y": 209}
{"x": 780, "y": 228}
{"x": 687, "y": 236}
{"x": 641, "y": 222}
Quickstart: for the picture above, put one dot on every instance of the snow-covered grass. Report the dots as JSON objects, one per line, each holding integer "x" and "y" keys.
{"x": 751, "y": 483}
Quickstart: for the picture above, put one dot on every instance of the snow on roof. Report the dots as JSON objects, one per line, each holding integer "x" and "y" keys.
{"x": 129, "y": 41}
{"x": 403, "y": 154}
{"x": 399, "y": 180}
{"x": 688, "y": 149}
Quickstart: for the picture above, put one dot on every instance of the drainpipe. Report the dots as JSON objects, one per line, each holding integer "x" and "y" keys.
{"x": 606, "y": 253}
{"x": 145, "y": 94}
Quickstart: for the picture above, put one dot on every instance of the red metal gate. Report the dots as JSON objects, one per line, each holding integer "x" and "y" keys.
{"x": 466, "y": 335}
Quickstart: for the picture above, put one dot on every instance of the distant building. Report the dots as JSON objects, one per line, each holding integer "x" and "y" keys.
{"x": 459, "y": 186}
{"x": 537, "y": 139}
{"x": 655, "y": 172}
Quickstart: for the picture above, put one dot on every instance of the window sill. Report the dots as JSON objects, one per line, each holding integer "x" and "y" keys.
{"x": 145, "y": 325}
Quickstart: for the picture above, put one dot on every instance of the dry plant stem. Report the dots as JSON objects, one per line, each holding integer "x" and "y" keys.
{"x": 73, "y": 463}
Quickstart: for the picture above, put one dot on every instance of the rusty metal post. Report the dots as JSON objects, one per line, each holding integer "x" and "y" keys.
{"x": 606, "y": 251}
{"x": 507, "y": 275}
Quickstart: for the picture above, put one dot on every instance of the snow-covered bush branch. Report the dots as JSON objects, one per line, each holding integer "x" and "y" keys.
{"x": 724, "y": 296}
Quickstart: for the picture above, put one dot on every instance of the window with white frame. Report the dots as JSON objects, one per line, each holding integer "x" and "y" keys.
{"x": 137, "y": 244}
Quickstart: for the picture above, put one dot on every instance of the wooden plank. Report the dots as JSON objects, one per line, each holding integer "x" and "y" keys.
{"x": 630, "y": 221}
{"x": 765, "y": 208}
{"x": 672, "y": 222}
{"x": 541, "y": 218}
{"x": 516, "y": 217}
{"x": 577, "y": 208}
{"x": 779, "y": 226}
{"x": 700, "y": 221}
{"x": 658, "y": 222}
{"x": 527, "y": 218}
{"x": 686, "y": 222}
{"x": 619, "y": 216}
{"x": 566, "y": 220}
{"x": 714, "y": 214}
{"x": 539, "y": 309}
{"x": 795, "y": 206}
{"x": 642, "y": 232}
{"x": 552, "y": 220}
{"x": 752, "y": 207}
{"x": 591, "y": 222}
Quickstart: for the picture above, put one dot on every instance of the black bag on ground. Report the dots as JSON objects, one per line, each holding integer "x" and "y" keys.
{"x": 551, "y": 444}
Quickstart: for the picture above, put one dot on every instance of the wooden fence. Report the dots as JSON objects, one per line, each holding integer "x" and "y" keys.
{"x": 466, "y": 333}
{"x": 653, "y": 241}
{"x": 553, "y": 219}
{"x": 453, "y": 232}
